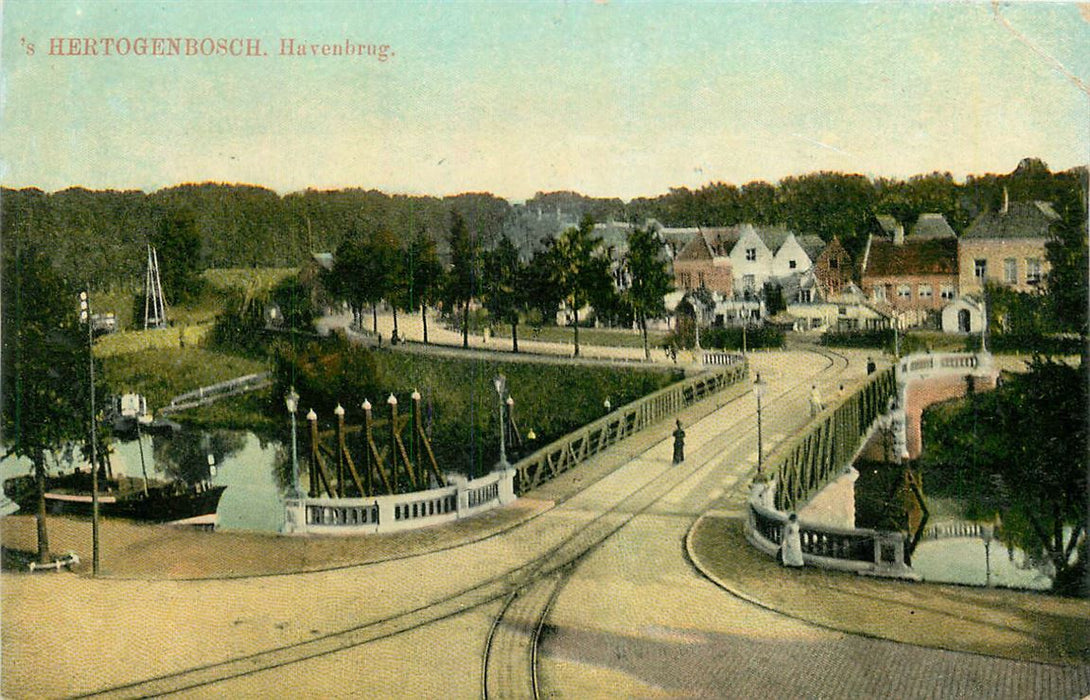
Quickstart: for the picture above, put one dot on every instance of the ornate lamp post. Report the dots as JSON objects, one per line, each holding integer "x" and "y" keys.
{"x": 759, "y": 388}
{"x": 291, "y": 401}
{"x": 500, "y": 382}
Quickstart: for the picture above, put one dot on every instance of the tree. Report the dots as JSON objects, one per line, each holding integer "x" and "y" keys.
{"x": 1019, "y": 452}
{"x": 178, "y": 247}
{"x": 425, "y": 275}
{"x": 578, "y": 271}
{"x": 649, "y": 281}
{"x": 45, "y": 367}
{"x": 463, "y": 278}
{"x": 504, "y": 286}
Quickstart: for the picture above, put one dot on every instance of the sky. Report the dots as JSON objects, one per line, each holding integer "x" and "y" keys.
{"x": 617, "y": 99}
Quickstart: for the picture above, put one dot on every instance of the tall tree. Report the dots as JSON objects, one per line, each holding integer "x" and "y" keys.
{"x": 649, "y": 280}
{"x": 504, "y": 286}
{"x": 578, "y": 271}
{"x": 425, "y": 275}
{"x": 178, "y": 247}
{"x": 1019, "y": 451}
{"x": 463, "y": 279}
{"x": 46, "y": 387}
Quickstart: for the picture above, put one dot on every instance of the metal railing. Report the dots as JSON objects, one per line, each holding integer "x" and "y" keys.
{"x": 576, "y": 447}
{"x": 215, "y": 392}
{"x": 805, "y": 464}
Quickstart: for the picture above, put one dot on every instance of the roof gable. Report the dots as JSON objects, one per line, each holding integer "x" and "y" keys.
{"x": 931, "y": 226}
{"x": 1020, "y": 220}
{"x": 937, "y": 256}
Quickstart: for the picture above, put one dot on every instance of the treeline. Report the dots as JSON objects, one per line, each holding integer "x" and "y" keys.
{"x": 98, "y": 237}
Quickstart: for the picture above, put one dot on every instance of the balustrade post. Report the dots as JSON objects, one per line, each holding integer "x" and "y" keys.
{"x": 416, "y": 457}
{"x": 312, "y": 487}
{"x": 367, "y": 439}
{"x": 392, "y": 402}
{"x": 339, "y": 412}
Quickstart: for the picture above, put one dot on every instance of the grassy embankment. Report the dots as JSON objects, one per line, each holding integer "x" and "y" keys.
{"x": 161, "y": 364}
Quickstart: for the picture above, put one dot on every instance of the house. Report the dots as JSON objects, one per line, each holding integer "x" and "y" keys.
{"x": 847, "y": 309}
{"x": 697, "y": 265}
{"x": 963, "y": 315}
{"x": 833, "y": 267}
{"x": 753, "y": 255}
{"x": 1006, "y": 247}
{"x": 912, "y": 276}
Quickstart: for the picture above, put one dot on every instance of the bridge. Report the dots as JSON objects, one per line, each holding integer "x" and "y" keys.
{"x": 587, "y": 586}
{"x": 812, "y": 473}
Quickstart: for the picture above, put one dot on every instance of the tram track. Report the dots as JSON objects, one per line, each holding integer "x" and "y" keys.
{"x": 510, "y": 657}
{"x": 529, "y": 590}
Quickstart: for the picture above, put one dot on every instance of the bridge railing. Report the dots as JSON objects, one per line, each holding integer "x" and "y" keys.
{"x": 805, "y": 464}
{"x": 561, "y": 455}
{"x": 213, "y": 392}
{"x": 860, "y": 550}
{"x": 946, "y": 362}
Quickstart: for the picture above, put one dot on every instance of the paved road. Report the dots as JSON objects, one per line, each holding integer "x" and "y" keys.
{"x": 632, "y": 616}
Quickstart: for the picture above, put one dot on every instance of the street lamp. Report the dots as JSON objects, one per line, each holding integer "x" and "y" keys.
{"x": 291, "y": 401}
{"x": 759, "y": 388}
{"x": 987, "y": 532}
{"x": 500, "y": 382}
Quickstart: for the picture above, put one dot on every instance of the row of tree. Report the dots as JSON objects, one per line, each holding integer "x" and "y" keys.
{"x": 572, "y": 269}
{"x": 245, "y": 226}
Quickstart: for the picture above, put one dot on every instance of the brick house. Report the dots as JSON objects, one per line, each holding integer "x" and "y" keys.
{"x": 1006, "y": 247}
{"x": 833, "y": 267}
{"x": 911, "y": 276}
{"x": 698, "y": 265}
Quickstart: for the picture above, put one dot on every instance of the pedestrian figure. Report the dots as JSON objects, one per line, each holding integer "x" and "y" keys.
{"x": 791, "y": 543}
{"x": 871, "y": 366}
{"x": 679, "y": 444}
{"x": 816, "y": 406}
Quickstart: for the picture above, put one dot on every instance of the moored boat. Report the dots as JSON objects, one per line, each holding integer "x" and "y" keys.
{"x": 131, "y": 498}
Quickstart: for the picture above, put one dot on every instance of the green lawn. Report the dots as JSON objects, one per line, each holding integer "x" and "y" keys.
{"x": 612, "y": 337}
{"x": 164, "y": 373}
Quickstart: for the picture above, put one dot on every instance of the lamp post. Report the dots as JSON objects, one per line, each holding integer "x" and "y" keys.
{"x": 85, "y": 316}
{"x": 987, "y": 532}
{"x": 759, "y": 388}
{"x": 500, "y": 382}
{"x": 291, "y": 401}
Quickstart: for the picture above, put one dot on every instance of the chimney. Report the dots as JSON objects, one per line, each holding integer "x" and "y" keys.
{"x": 899, "y": 235}
{"x": 1006, "y": 200}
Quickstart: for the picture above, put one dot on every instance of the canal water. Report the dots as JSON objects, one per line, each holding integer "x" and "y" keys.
{"x": 242, "y": 461}
{"x": 967, "y": 560}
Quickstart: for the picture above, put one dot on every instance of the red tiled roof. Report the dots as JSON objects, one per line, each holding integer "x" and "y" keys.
{"x": 937, "y": 256}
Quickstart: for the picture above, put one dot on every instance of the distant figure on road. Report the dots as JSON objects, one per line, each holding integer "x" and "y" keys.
{"x": 791, "y": 543}
{"x": 816, "y": 406}
{"x": 871, "y": 366}
{"x": 679, "y": 444}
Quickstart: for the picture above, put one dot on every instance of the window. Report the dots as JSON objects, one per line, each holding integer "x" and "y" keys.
{"x": 1033, "y": 271}
{"x": 792, "y": 264}
{"x": 924, "y": 290}
{"x": 701, "y": 276}
{"x": 1010, "y": 271}
{"x": 980, "y": 269}
{"x": 946, "y": 291}
{"x": 834, "y": 263}
{"x": 805, "y": 296}
{"x": 749, "y": 282}
{"x": 686, "y": 279}
{"x": 842, "y": 310}
{"x": 880, "y": 293}
{"x": 904, "y": 291}
{"x": 751, "y": 254}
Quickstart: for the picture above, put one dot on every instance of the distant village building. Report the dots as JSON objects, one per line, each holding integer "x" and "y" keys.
{"x": 833, "y": 268}
{"x": 912, "y": 276}
{"x": 1006, "y": 247}
{"x": 963, "y": 315}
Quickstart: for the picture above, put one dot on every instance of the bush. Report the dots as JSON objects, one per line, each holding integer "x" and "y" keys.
{"x": 459, "y": 402}
{"x": 724, "y": 338}
{"x": 884, "y": 339}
